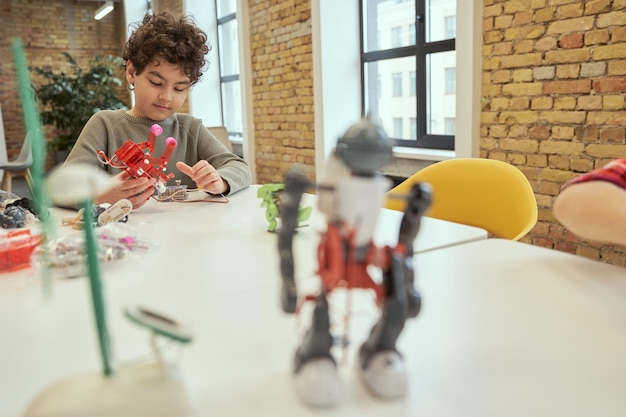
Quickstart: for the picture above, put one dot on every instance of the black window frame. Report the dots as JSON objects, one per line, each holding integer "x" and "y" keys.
{"x": 421, "y": 50}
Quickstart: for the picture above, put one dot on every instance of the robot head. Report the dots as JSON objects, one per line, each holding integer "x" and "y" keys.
{"x": 364, "y": 148}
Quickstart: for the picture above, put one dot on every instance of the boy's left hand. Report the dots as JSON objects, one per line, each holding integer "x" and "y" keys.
{"x": 205, "y": 176}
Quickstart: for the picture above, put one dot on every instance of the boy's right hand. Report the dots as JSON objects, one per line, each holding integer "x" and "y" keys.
{"x": 122, "y": 185}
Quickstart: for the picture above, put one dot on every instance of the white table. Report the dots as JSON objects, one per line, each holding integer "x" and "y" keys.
{"x": 244, "y": 213}
{"x": 518, "y": 330}
{"x": 228, "y": 295}
{"x": 506, "y": 329}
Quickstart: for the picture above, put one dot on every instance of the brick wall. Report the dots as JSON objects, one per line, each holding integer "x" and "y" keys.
{"x": 282, "y": 86}
{"x": 554, "y": 78}
{"x": 73, "y": 29}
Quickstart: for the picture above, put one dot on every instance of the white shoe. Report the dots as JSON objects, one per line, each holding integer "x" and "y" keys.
{"x": 317, "y": 383}
{"x": 385, "y": 375}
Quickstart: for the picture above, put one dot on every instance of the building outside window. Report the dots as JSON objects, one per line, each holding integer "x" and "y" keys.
{"x": 427, "y": 54}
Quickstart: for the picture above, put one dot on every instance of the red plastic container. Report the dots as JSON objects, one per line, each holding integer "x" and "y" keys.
{"x": 16, "y": 248}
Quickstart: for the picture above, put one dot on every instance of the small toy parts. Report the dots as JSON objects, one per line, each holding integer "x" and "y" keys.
{"x": 132, "y": 158}
{"x": 346, "y": 257}
{"x": 271, "y": 196}
{"x": 13, "y": 217}
{"x": 176, "y": 192}
{"x": 117, "y": 212}
{"x": 102, "y": 214}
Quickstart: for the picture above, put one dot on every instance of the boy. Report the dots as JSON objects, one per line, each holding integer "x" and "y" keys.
{"x": 164, "y": 58}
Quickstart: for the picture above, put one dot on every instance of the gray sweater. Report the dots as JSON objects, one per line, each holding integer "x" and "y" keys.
{"x": 107, "y": 130}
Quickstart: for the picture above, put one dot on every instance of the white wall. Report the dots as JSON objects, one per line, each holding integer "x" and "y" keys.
{"x": 336, "y": 74}
{"x": 205, "y": 96}
{"x": 468, "y": 77}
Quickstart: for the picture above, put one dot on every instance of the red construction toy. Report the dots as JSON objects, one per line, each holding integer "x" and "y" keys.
{"x": 16, "y": 248}
{"x": 133, "y": 158}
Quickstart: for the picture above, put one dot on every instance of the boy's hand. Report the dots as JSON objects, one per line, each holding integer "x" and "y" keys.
{"x": 136, "y": 190}
{"x": 205, "y": 176}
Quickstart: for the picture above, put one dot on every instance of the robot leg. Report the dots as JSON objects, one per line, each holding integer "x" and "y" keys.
{"x": 381, "y": 365}
{"x": 316, "y": 379}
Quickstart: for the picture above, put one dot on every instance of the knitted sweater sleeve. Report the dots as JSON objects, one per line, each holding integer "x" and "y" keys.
{"x": 94, "y": 137}
{"x": 108, "y": 130}
{"x": 230, "y": 166}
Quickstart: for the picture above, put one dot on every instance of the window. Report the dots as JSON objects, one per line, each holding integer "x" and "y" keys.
{"x": 450, "y": 27}
{"x": 396, "y": 37}
{"x": 450, "y": 80}
{"x": 397, "y": 126}
{"x": 429, "y": 53}
{"x": 397, "y": 84}
{"x": 450, "y": 125}
{"x": 228, "y": 53}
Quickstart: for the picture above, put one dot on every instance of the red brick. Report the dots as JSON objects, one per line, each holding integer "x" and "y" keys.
{"x": 567, "y": 87}
{"x": 571, "y": 41}
{"x": 610, "y": 85}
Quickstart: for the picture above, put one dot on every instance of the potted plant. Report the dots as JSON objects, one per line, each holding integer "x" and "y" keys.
{"x": 69, "y": 99}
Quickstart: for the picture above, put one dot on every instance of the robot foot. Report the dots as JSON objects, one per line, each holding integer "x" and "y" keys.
{"x": 317, "y": 383}
{"x": 385, "y": 375}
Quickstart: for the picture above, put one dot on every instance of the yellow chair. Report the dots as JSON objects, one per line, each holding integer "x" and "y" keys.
{"x": 485, "y": 193}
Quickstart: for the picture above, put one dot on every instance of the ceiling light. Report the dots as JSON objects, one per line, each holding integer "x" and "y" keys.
{"x": 104, "y": 10}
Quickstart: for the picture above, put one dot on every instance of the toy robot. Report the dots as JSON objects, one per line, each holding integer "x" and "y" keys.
{"x": 271, "y": 196}
{"x": 132, "y": 158}
{"x": 346, "y": 251}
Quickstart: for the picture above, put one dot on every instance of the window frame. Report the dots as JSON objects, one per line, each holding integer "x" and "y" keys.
{"x": 421, "y": 50}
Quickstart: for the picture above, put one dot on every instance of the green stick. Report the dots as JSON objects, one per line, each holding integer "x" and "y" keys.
{"x": 33, "y": 126}
{"x": 95, "y": 283}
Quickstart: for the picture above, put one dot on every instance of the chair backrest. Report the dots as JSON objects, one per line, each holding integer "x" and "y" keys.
{"x": 3, "y": 145}
{"x": 25, "y": 157}
{"x": 485, "y": 193}
{"x": 221, "y": 134}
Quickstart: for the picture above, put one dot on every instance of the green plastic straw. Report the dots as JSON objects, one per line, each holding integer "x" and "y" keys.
{"x": 95, "y": 282}
{"x": 33, "y": 125}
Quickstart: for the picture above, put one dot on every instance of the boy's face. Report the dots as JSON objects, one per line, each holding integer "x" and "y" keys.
{"x": 160, "y": 89}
